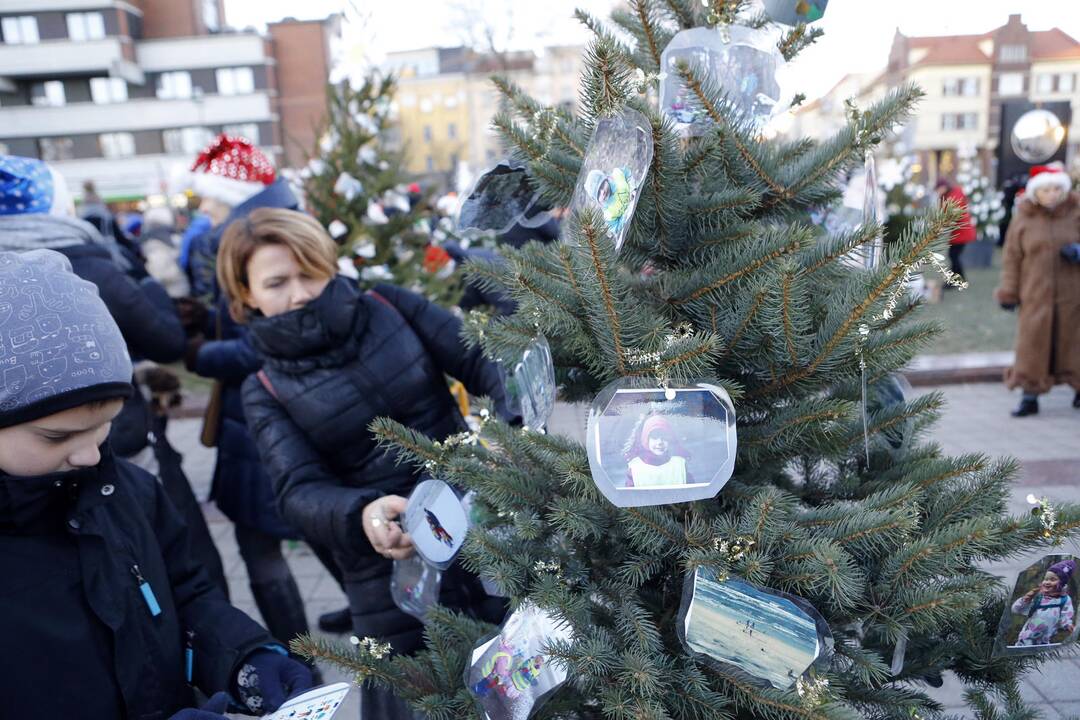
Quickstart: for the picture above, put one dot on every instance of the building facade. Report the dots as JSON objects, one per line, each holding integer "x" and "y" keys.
{"x": 966, "y": 79}
{"x": 123, "y": 92}
{"x": 446, "y": 101}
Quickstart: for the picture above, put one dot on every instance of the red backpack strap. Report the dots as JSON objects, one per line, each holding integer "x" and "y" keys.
{"x": 381, "y": 298}
{"x": 265, "y": 380}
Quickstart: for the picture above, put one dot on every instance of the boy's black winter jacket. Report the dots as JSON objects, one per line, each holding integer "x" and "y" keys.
{"x": 81, "y": 636}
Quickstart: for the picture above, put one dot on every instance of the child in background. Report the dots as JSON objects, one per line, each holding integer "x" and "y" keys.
{"x": 1048, "y": 607}
{"x": 656, "y": 457}
{"x": 101, "y": 598}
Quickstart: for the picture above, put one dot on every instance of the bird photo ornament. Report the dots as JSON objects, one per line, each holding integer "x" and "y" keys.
{"x": 616, "y": 162}
{"x": 511, "y": 675}
{"x": 498, "y": 199}
{"x": 415, "y": 585}
{"x": 768, "y": 636}
{"x": 653, "y": 445}
{"x": 436, "y": 521}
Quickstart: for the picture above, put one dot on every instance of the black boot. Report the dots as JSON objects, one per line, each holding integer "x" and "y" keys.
{"x": 1076, "y": 400}
{"x": 282, "y": 608}
{"x": 1027, "y": 406}
{"x": 338, "y": 621}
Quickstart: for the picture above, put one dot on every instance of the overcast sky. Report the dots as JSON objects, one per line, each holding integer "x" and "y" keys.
{"x": 857, "y": 32}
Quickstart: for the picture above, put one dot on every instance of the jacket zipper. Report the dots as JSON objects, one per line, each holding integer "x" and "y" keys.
{"x": 189, "y": 655}
{"x": 147, "y": 592}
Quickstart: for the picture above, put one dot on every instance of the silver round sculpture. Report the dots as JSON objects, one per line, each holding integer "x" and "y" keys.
{"x": 1037, "y": 135}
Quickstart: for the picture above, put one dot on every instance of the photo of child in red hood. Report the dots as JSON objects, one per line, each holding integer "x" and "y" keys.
{"x": 656, "y": 456}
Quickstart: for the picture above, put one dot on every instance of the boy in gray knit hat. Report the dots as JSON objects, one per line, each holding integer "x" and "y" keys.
{"x": 100, "y": 594}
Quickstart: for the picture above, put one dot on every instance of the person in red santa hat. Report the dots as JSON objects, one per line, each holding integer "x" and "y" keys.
{"x": 1040, "y": 274}
{"x": 232, "y": 177}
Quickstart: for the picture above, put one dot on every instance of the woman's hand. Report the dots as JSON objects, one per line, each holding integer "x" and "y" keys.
{"x": 384, "y": 531}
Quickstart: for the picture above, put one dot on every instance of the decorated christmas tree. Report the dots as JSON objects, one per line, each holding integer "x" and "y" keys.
{"x": 355, "y": 184}
{"x": 688, "y": 267}
{"x": 985, "y": 202}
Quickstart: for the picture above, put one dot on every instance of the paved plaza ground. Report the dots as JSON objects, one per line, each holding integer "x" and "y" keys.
{"x": 976, "y": 419}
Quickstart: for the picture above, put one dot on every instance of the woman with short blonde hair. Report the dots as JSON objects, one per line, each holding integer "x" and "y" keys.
{"x": 334, "y": 360}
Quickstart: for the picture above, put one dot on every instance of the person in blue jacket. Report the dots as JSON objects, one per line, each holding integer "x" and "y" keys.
{"x": 233, "y": 178}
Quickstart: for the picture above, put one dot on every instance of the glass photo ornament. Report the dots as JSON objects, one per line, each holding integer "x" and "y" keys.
{"x": 616, "y": 162}
{"x": 768, "y": 636}
{"x": 510, "y": 675}
{"x": 704, "y": 51}
{"x": 1040, "y": 613}
{"x": 795, "y": 12}
{"x": 652, "y": 445}
{"x": 530, "y": 384}
{"x": 321, "y": 703}
{"x": 436, "y": 521}
{"x": 414, "y": 586}
{"x": 753, "y": 75}
{"x": 498, "y": 199}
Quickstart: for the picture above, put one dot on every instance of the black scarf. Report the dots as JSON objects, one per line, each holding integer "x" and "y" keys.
{"x": 38, "y": 504}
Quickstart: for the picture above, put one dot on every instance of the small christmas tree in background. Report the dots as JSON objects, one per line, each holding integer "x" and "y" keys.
{"x": 856, "y": 511}
{"x": 905, "y": 200}
{"x": 356, "y": 186}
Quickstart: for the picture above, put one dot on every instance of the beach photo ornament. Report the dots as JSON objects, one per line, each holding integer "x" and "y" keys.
{"x": 795, "y": 12}
{"x": 414, "y": 586}
{"x": 1040, "y": 612}
{"x": 616, "y": 162}
{"x": 530, "y": 384}
{"x": 436, "y": 521}
{"x": 770, "y": 637}
{"x": 651, "y": 445}
{"x": 498, "y": 199}
{"x": 510, "y": 675}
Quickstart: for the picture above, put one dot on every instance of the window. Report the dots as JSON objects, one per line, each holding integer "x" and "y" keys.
{"x": 408, "y": 100}
{"x": 1011, "y": 84}
{"x": 955, "y": 87}
{"x": 1066, "y": 82}
{"x": 453, "y": 160}
{"x": 105, "y": 90}
{"x": 430, "y": 163}
{"x": 174, "y": 85}
{"x": 959, "y": 121}
{"x": 425, "y": 105}
{"x": 47, "y": 94}
{"x": 235, "y": 81}
{"x": 1013, "y": 53}
{"x": 427, "y": 133}
{"x": 57, "y": 148}
{"x": 186, "y": 141}
{"x": 210, "y": 16}
{"x": 1044, "y": 83}
{"x": 85, "y": 26}
{"x": 20, "y": 30}
{"x": 117, "y": 145}
{"x": 244, "y": 130}
{"x": 451, "y": 131}
{"x": 4, "y": 149}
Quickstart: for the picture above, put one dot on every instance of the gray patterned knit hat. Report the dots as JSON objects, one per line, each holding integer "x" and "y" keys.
{"x": 59, "y": 347}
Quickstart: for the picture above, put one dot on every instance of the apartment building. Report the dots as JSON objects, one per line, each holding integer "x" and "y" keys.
{"x": 967, "y": 79}
{"x": 121, "y": 92}
{"x": 445, "y": 101}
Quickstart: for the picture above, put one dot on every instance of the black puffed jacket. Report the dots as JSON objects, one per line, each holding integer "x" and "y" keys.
{"x": 81, "y": 639}
{"x": 333, "y": 367}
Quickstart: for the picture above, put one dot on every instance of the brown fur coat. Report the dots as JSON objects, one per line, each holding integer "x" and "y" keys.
{"x": 1047, "y": 287}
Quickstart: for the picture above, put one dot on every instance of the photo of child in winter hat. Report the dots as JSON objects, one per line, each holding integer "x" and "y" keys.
{"x": 657, "y": 457}
{"x": 1048, "y": 608}
{"x": 613, "y": 192}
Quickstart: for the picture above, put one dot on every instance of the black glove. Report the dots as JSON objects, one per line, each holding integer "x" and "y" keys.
{"x": 1009, "y": 306}
{"x": 213, "y": 709}
{"x": 268, "y": 678}
{"x": 193, "y": 315}
{"x": 1071, "y": 253}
